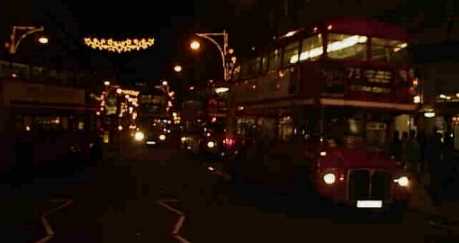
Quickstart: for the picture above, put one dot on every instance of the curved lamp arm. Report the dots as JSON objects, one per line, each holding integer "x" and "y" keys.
{"x": 221, "y": 49}
{"x": 28, "y": 30}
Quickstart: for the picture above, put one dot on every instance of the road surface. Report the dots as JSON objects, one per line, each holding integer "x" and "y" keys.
{"x": 163, "y": 195}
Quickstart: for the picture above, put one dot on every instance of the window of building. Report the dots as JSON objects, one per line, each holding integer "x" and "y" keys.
{"x": 353, "y": 47}
{"x": 237, "y": 72}
{"x": 252, "y": 67}
{"x": 388, "y": 50}
{"x": 246, "y": 127}
{"x": 267, "y": 127}
{"x": 21, "y": 124}
{"x": 291, "y": 52}
{"x": 244, "y": 70}
{"x": 274, "y": 60}
{"x": 81, "y": 125}
{"x": 249, "y": 68}
{"x": 285, "y": 128}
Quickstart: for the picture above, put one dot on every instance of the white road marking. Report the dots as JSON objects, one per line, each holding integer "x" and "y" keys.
{"x": 163, "y": 204}
{"x": 168, "y": 200}
{"x": 49, "y": 230}
{"x": 66, "y": 203}
{"x": 178, "y": 225}
{"x": 181, "y": 239}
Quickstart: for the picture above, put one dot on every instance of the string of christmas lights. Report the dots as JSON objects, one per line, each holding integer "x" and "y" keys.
{"x": 111, "y": 45}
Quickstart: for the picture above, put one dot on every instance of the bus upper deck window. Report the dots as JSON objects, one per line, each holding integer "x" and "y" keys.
{"x": 291, "y": 53}
{"x": 352, "y": 47}
{"x": 388, "y": 50}
{"x": 311, "y": 48}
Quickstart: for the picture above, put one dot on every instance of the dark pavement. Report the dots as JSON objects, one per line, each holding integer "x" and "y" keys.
{"x": 127, "y": 198}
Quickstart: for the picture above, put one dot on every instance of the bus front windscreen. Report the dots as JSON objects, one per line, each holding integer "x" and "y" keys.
{"x": 351, "y": 131}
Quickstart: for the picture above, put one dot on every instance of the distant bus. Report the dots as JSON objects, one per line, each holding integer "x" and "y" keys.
{"x": 154, "y": 121}
{"x": 204, "y": 122}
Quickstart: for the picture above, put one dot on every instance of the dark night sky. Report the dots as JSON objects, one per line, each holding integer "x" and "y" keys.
{"x": 171, "y": 22}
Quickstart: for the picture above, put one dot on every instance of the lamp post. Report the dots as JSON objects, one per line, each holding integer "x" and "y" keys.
{"x": 224, "y": 50}
{"x": 19, "y": 33}
{"x": 228, "y": 64}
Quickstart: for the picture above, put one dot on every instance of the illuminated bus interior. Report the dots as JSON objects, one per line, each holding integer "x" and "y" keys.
{"x": 339, "y": 47}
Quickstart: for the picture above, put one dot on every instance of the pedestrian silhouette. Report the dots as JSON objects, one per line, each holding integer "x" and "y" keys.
{"x": 413, "y": 153}
{"x": 433, "y": 155}
{"x": 396, "y": 146}
{"x": 404, "y": 146}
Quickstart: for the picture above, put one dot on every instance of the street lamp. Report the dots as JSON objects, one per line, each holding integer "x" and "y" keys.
{"x": 19, "y": 33}
{"x": 178, "y": 68}
{"x": 43, "y": 40}
{"x": 195, "y": 45}
{"x": 224, "y": 50}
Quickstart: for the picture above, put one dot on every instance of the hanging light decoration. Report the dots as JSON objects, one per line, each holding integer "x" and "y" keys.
{"x": 111, "y": 45}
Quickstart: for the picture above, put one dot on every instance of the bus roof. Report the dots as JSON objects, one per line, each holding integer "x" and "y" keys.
{"x": 351, "y": 26}
{"x": 368, "y": 27}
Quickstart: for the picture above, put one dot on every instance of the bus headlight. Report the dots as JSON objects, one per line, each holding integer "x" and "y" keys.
{"x": 139, "y": 136}
{"x": 162, "y": 137}
{"x": 211, "y": 144}
{"x": 329, "y": 178}
{"x": 403, "y": 181}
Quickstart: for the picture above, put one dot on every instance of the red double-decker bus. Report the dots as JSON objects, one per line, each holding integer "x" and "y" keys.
{"x": 344, "y": 81}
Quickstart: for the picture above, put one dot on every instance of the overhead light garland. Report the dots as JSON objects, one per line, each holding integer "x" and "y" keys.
{"x": 127, "y": 45}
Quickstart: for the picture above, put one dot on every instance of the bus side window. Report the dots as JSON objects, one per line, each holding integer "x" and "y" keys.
{"x": 274, "y": 59}
{"x": 386, "y": 50}
{"x": 351, "y": 47}
{"x": 312, "y": 48}
{"x": 291, "y": 53}
{"x": 264, "y": 64}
